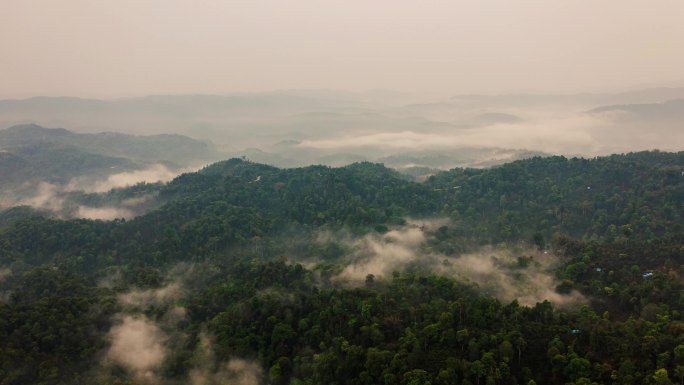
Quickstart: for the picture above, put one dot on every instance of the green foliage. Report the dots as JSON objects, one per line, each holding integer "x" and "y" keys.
{"x": 620, "y": 245}
{"x": 639, "y": 194}
{"x": 51, "y": 327}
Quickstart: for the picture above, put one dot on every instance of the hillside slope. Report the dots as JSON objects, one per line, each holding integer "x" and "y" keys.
{"x": 241, "y": 274}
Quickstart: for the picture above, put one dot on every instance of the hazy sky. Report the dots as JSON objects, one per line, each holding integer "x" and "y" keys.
{"x": 135, "y": 47}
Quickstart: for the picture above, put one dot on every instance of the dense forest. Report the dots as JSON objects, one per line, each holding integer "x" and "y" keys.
{"x": 244, "y": 273}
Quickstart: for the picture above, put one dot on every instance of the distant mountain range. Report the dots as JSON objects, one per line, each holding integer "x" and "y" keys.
{"x": 669, "y": 111}
{"x": 44, "y": 165}
{"x": 261, "y": 120}
{"x": 416, "y": 136}
{"x": 418, "y": 163}
{"x": 55, "y": 163}
{"x": 157, "y": 148}
{"x": 647, "y": 95}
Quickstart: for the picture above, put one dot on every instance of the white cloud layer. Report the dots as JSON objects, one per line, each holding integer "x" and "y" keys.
{"x": 567, "y": 133}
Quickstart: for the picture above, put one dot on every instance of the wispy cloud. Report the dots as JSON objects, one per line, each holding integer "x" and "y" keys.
{"x": 103, "y": 213}
{"x": 138, "y": 298}
{"x": 236, "y": 371}
{"x": 496, "y": 272}
{"x": 55, "y": 198}
{"x": 138, "y": 345}
{"x": 154, "y": 173}
{"x": 141, "y": 345}
{"x": 568, "y": 133}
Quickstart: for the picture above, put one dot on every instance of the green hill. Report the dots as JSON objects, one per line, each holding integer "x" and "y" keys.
{"x": 240, "y": 270}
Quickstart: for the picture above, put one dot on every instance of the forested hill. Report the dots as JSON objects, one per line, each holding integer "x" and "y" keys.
{"x": 553, "y": 195}
{"x": 635, "y": 195}
{"x": 170, "y": 148}
{"x": 36, "y": 162}
{"x": 239, "y": 275}
{"x": 639, "y": 194}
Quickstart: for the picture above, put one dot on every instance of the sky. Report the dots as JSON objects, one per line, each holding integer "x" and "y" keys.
{"x": 97, "y": 48}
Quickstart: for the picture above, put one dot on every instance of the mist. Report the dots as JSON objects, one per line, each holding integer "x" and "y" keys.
{"x": 141, "y": 344}
{"x": 235, "y": 372}
{"x": 62, "y": 200}
{"x": 499, "y": 273}
{"x": 138, "y": 345}
{"x": 104, "y": 103}
{"x": 103, "y": 213}
{"x": 565, "y": 133}
{"x": 306, "y": 83}
{"x": 297, "y": 128}
{"x": 525, "y": 276}
{"x": 57, "y": 200}
{"x": 151, "y": 174}
{"x": 137, "y": 298}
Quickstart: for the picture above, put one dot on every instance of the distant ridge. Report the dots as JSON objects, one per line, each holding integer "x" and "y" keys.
{"x": 161, "y": 147}
{"x": 667, "y": 108}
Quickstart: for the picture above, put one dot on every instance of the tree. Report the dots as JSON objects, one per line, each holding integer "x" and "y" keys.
{"x": 660, "y": 377}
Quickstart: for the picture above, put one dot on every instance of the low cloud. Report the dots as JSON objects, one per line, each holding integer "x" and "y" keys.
{"x": 556, "y": 132}
{"x": 54, "y": 198}
{"x": 550, "y": 139}
{"x": 103, "y": 213}
{"x": 139, "y": 346}
{"x": 235, "y": 372}
{"x": 152, "y": 297}
{"x": 154, "y": 173}
{"x": 57, "y": 198}
{"x": 526, "y": 277}
{"x": 137, "y": 201}
{"x": 47, "y": 196}
{"x": 501, "y": 273}
{"x": 380, "y": 255}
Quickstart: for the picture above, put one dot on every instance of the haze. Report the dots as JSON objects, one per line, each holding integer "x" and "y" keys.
{"x": 132, "y": 47}
{"x": 417, "y": 86}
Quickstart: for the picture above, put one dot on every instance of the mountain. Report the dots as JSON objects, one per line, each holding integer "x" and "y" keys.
{"x": 671, "y": 111}
{"x": 543, "y": 270}
{"x": 639, "y": 96}
{"x": 261, "y": 120}
{"x": 490, "y": 118}
{"x": 197, "y": 115}
{"x": 51, "y": 169}
{"x": 292, "y": 154}
{"x": 55, "y": 163}
{"x": 475, "y": 157}
{"x": 157, "y": 148}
